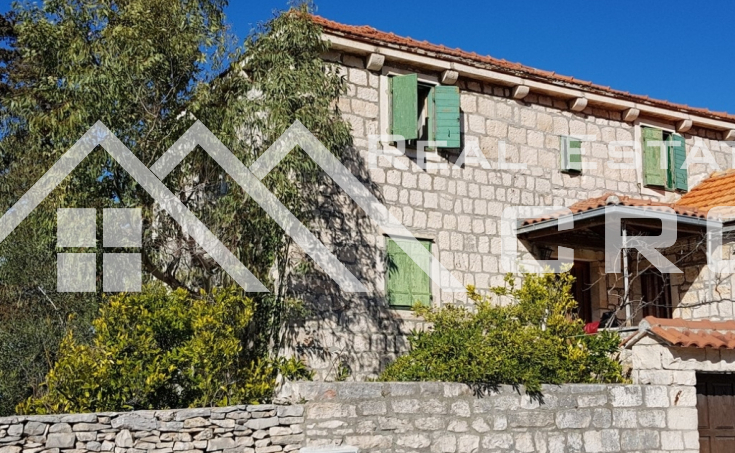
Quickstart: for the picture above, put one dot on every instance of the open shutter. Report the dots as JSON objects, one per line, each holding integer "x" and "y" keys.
{"x": 680, "y": 156}
{"x": 406, "y": 283}
{"x": 571, "y": 155}
{"x": 445, "y": 119}
{"x": 404, "y": 106}
{"x": 653, "y": 174}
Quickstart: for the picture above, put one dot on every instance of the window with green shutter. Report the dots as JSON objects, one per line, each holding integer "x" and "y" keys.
{"x": 571, "y": 155}
{"x": 425, "y": 112}
{"x": 406, "y": 283}
{"x": 404, "y": 106}
{"x": 445, "y": 114}
{"x": 673, "y": 175}
{"x": 679, "y": 151}
{"x": 653, "y": 174}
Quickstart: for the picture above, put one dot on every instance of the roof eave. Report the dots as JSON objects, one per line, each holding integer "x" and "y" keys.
{"x": 507, "y": 77}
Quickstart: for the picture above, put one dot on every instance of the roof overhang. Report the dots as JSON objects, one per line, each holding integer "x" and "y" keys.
{"x": 576, "y": 94}
{"x": 685, "y": 334}
{"x": 547, "y": 231}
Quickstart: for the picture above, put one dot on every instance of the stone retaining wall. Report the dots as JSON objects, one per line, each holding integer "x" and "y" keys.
{"x": 387, "y": 417}
{"x": 237, "y": 429}
{"x": 450, "y": 418}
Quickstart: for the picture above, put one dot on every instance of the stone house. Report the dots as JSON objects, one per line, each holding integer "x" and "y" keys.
{"x": 480, "y": 135}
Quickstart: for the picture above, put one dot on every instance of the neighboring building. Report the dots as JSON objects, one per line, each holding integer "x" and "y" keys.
{"x": 562, "y": 129}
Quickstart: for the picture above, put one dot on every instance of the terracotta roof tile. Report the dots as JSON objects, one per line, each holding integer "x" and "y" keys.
{"x": 611, "y": 199}
{"x": 368, "y": 34}
{"x": 717, "y": 190}
{"x": 690, "y": 334}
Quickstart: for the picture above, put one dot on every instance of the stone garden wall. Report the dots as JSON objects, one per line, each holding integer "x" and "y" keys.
{"x": 387, "y": 417}
{"x": 451, "y": 418}
{"x": 237, "y": 429}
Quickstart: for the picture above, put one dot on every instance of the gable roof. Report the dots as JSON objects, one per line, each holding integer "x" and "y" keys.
{"x": 370, "y": 35}
{"x": 686, "y": 334}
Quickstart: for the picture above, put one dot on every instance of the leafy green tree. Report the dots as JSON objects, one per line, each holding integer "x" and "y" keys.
{"x": 148, "y": 69}
{"x": 159, "y": 349}
{"x": 532, "y": 337}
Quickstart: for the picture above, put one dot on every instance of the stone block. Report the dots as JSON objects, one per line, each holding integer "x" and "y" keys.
{"x": 135, "y": 422}
{"x": 625, "y": 418}
{"x": 124, "y": 439}
{"x": 186, "y": 414}
{"x": 682, "y": 418}
{"x": 573, "y": 419}
{"x": 601, "y": 441}
{"x": 626, "y": 396}
{"x": 60, "y": 428}
{"x": 656, "y": 396}
{"x": 79, "y": 418}
{"x": 65, "y": 440}
{"x": 640, "y": 439}
{"x": 370, "y": 442}
{"x": 263, "y": 423}
{"x": 296, "y": 410}
{"x": 35, "y": 428}
{"x": 220, "y": 443}
{"x": 652, "y": 418}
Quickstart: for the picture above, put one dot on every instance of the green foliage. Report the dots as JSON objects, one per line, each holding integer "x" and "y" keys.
{"x": 161, "y": 349}
{"x": 533, "y": 339}
{"x": 148, "y": 69}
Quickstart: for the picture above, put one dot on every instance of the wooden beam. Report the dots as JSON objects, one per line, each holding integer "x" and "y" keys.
{"x": 375, "y": 62}
{"x": 683, "y": 126}
{"x": 578, "y": 104}
{"x": 729, "y": 135}
{"x": 520, "y": 91}
{"x": 631, "y": 115}
{"x": 449, "y": 77}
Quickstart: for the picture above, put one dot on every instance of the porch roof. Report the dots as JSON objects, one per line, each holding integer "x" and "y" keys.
{"x": 686, "y": 334}
{"x": 589, "y": 221}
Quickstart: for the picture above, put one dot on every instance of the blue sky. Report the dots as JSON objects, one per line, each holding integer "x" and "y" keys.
{"x": 669, "y": 50}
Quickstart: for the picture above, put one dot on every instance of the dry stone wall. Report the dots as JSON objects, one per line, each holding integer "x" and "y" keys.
{"x": 238, "y": 429}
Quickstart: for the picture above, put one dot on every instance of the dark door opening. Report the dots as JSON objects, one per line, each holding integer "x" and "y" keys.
{"x": 582, "y": 290}
{"x": 716, "y": 411}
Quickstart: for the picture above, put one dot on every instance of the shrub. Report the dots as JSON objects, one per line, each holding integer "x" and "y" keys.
{"x": 534, "y": 339}
{"x": 160, "y": 349}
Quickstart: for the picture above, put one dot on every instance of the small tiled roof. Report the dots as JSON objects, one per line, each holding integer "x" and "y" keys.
{"x": 377, "y": 37}
{"x": 611, "y": 199}
{"x": 688, "y": 334}
{"x": 717, "y": 190}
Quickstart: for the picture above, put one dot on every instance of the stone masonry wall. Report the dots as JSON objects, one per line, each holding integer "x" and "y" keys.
{"x": 238, "y": 429}
{"x": 451, "y": 418}
{"x": 458, "y": 209}
{"x": 387, "y": 417}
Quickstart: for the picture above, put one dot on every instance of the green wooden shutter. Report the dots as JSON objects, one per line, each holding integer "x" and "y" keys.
{"x": 446, "y": 114}
{"x": 406, "y": 283}
{"x": 571, "y": 155}
{"x": 653, "y": 174}
{"x": 680, "y": 156}
{"x": 404, "y": 106}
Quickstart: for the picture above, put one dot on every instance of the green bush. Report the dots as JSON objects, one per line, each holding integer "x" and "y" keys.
{"x": 161, "y": 349}
{"x": 534, "y": 339}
